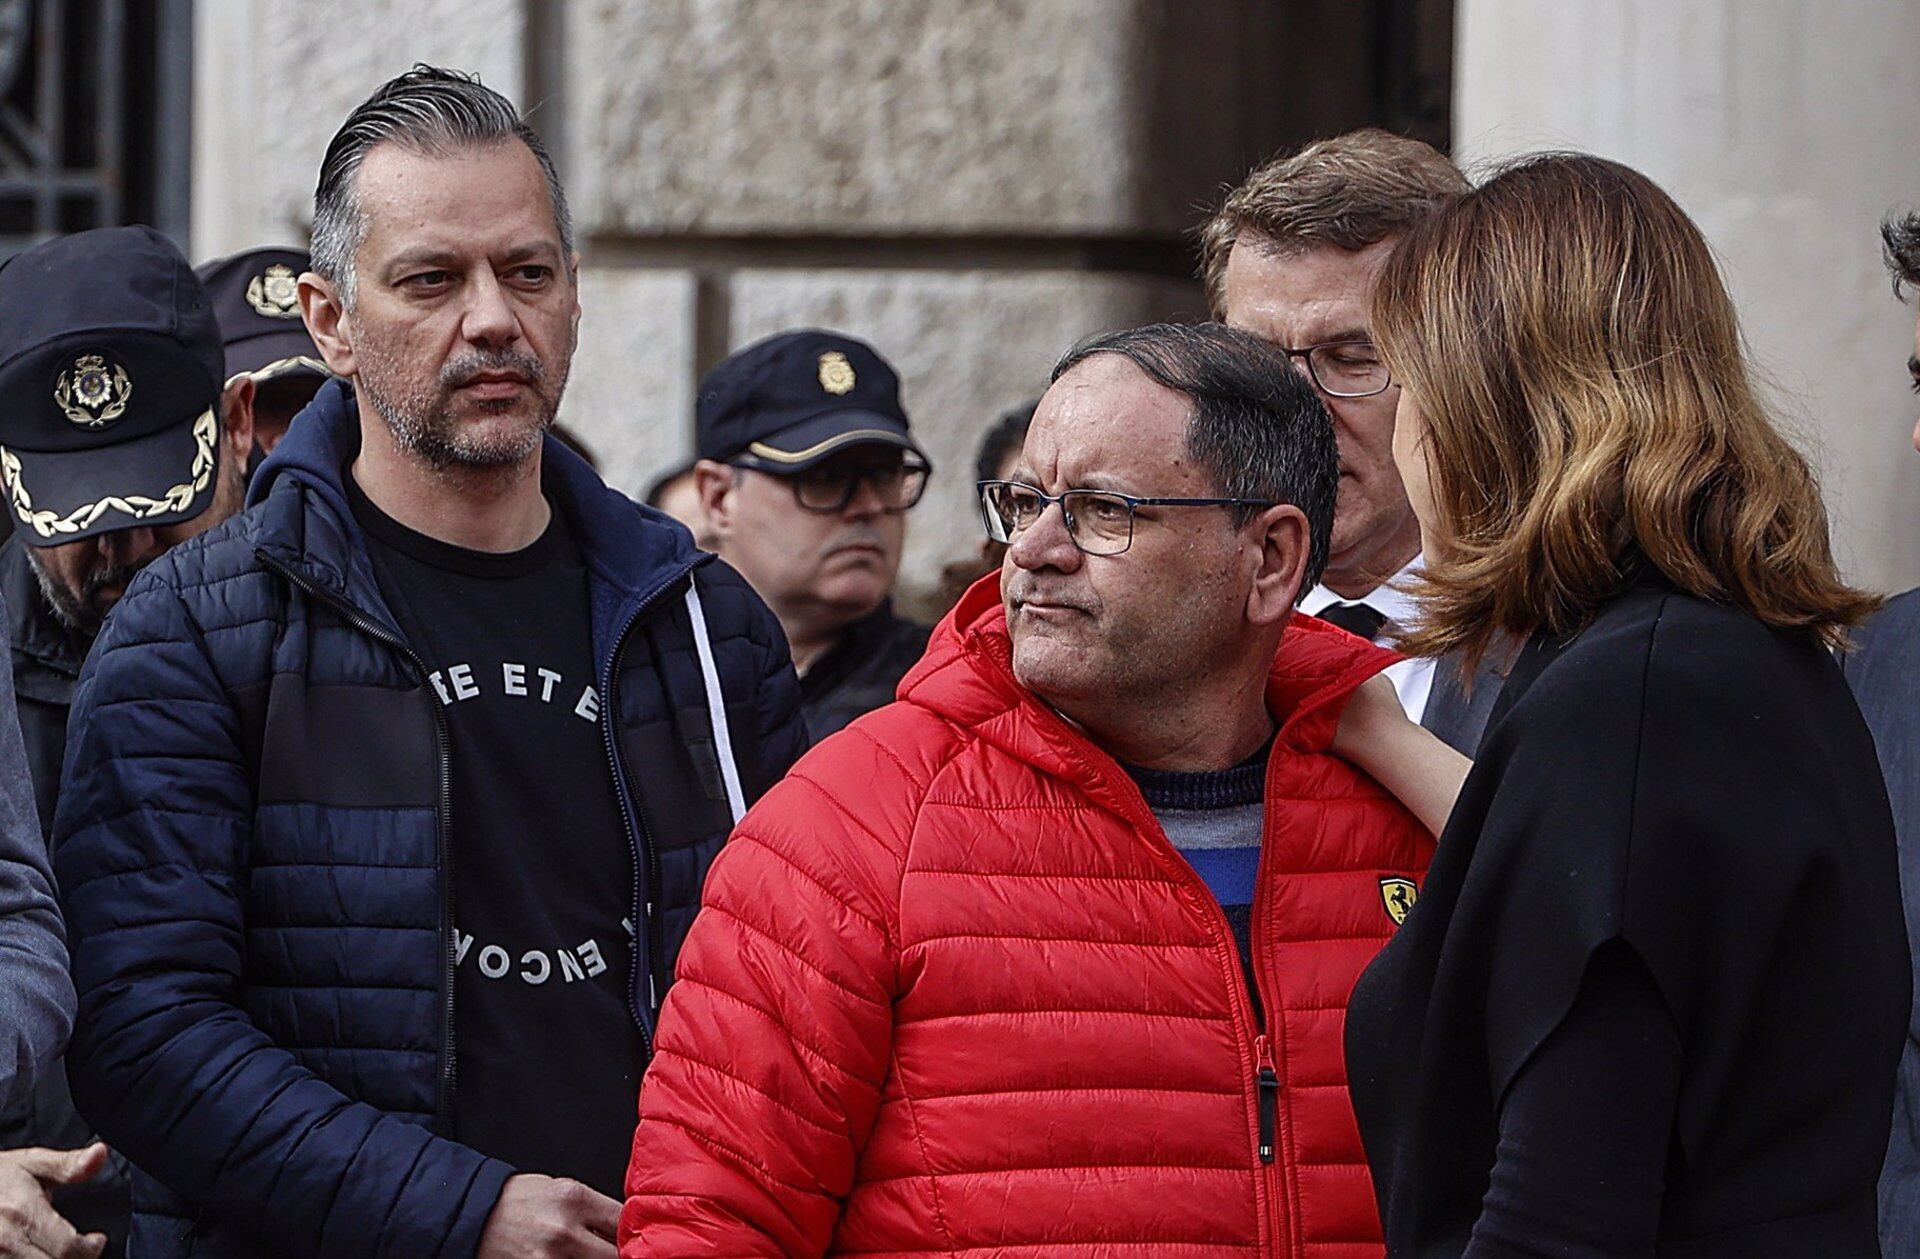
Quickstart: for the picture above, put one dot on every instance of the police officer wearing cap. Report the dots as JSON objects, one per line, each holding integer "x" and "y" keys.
{"x": 807, "y": 470}
{"x": 118, "y": 440}
{"x": 255, "y": 298}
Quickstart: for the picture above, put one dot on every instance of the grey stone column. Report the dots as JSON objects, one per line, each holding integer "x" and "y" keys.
{"x": 1786, "y": 128}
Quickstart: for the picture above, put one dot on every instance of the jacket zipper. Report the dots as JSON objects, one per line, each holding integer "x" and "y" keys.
{"x": 639, "y": 835}
{"x": 1269, "y": 1085}
{"x": 443, "y": 816}
{"x": 1265, "y": 1074}
{"x": 1277, "y": 1227}
{"x": 1266, "y": 1094}
{"x": 1281, "y": 1182}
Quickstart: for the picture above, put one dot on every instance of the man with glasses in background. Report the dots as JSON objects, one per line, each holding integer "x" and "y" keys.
{"x": 806, "y": 473}
{"x": 1291, "y": 256}
{"x": 1052, "y": 955}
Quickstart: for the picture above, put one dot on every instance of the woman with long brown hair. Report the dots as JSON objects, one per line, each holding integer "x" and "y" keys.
{"x": 1652, "y": 995}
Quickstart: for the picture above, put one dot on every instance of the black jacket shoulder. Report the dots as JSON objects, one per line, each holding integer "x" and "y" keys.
{"x": 1679, "y": 779}
{"x": 1663, "y": 653}
{"x": 861, "y": 672}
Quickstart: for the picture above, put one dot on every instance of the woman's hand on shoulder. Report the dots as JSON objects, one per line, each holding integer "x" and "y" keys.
{"x": 1371, "y": 722}
{"x": 1376, "y": 734}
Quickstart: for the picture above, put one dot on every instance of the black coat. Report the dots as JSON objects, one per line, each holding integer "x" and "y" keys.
{"x": 1683, "y": 781}
{"x": 861, "y": 671}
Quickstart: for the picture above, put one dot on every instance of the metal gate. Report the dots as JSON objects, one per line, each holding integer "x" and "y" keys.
{"x": 95, "y": 102}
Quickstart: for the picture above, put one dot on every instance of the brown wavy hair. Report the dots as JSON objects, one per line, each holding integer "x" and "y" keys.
{"x": 1568, "y": 338}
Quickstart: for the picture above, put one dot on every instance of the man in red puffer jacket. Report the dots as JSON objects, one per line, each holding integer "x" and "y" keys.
{"x": 1052, "y": 955}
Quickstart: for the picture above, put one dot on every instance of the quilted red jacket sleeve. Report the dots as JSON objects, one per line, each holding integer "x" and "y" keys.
{"x": 775, "y": 1039}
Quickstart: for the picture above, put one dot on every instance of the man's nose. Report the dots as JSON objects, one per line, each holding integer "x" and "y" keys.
{"x": 866, "y": 502}
{"x": 128, "y": 546}
{"x": 490, "y": 318}
{"x": 1045, "y": 543}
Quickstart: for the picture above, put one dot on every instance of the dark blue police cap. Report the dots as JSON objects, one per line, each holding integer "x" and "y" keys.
{"x": 784, "y": 404}
{"x": 110, "y": 374}
{"x": 255, "y": 297}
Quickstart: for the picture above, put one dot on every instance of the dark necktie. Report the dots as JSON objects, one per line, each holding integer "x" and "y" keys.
{"x": 1355, "y": 618}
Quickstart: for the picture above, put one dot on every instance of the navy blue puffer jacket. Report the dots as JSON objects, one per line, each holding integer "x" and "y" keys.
{"x": 252, "y": 847}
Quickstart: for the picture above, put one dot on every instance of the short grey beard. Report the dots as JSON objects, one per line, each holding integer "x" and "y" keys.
{"x": 79, "y": 617}
{"x": 429, "y": 435}
{"x": 82, "y": 617}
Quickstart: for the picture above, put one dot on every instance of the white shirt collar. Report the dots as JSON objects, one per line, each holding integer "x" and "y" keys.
{"x": 1396, "y": 605}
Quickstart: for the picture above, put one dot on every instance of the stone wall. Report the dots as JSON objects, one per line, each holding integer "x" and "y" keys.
{"x": 971, "y": 186}
{"x": 273, "y": 79}
{"x": 1786, "y": 128}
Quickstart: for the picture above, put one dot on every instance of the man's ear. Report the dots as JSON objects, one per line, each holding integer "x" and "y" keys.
{"x": 1284, "y": 538}
{"x": 573, "y": 273}
{"x": 327, "y": 322}
{"x": 714, "y": 482}
{"x": 236, "y": 417}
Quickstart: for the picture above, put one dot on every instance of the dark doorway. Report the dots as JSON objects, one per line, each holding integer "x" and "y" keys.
{"x": 1342, "y": 64}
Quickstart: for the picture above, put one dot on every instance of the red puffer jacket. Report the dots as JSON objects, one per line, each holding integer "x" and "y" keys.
{"x": 953, "y": 992}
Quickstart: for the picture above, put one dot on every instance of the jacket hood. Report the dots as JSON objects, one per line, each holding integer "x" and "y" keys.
{"x": 967, "y": 677}
{"x": 633, "y": 549}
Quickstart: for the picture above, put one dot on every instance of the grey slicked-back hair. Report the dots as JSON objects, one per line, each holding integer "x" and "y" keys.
{"x": 428, "y": 110}
{"x": 1257, "y": 428}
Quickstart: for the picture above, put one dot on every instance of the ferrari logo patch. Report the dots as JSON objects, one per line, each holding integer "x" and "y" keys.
{"x": 1399, "y": 895}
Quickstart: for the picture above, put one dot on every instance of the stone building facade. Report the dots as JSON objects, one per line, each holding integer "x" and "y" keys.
{"x": 975, "y": 184}
{"x": 972, "y": 185}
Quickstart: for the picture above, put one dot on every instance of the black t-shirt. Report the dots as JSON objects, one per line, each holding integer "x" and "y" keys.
{"x": 548, "y": 1058}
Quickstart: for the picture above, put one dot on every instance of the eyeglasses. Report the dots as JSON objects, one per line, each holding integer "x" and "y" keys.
{"x": 1344, "y": 369}
{"x": 829, "y": 487}
{"x": 1100, "y": 522}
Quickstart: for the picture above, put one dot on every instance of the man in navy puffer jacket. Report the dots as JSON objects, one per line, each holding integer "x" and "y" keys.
{"x": 388, "y": 802}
